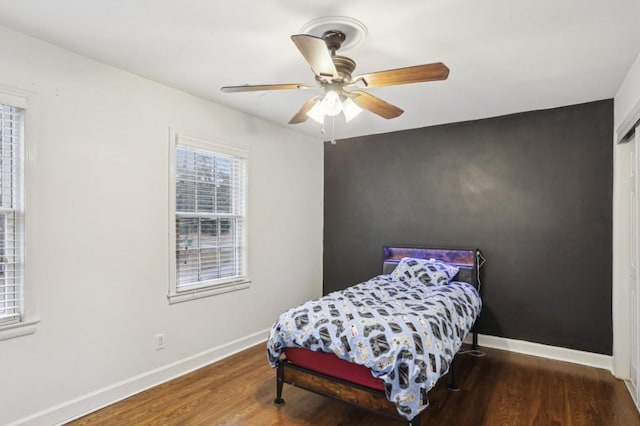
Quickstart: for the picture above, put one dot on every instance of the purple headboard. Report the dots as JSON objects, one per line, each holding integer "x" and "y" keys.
{"x": 468, "y": 260}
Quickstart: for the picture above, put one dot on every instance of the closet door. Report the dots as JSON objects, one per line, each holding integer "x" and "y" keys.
{"x": 634, "y": 299}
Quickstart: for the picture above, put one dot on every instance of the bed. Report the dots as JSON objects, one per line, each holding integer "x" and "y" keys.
{"x": 382, "y": 344}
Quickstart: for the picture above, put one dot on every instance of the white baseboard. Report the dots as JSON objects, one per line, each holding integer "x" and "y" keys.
{"x": 632, "y": 391}
{"x": 545, "y": 351}
{"x": 93, "y": 401}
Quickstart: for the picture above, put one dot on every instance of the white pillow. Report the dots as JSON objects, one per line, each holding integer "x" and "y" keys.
{"x": 430, "y": 272}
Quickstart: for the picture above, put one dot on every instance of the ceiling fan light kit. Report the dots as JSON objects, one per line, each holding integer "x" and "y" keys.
{"x": 332, "y": 104}
{"x": 318, "y": 44}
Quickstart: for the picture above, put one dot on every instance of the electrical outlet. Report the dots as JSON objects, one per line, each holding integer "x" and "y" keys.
{"x": 159, "y": 339}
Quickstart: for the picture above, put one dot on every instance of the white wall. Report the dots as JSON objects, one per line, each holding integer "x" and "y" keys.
{"x": 99, "y": 242}
{"x": 625, "y": 100}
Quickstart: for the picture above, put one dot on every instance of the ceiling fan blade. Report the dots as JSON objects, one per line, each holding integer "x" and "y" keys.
{"x": 301, "y": 115}
{"x": 314, "y": 50}
{"x": 255, "y": 88}
{"x": 415, "y": 74}
{"x": 376, "y": 105}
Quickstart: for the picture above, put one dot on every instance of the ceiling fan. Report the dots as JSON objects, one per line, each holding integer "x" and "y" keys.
{"x": 333, "y": 73}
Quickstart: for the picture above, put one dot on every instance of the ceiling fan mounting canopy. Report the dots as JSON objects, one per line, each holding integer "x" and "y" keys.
{"x": 333, "y": 73}
{"x": 355, "y": 31}
{"x": 334, "y": 39}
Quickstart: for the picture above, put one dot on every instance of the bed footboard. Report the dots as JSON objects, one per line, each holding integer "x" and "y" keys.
{"x": 360, "y": 396}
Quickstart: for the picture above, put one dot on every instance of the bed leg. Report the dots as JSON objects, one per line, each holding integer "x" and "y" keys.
{"x": 279, "y": 383}
{"x": 452, "y": 376}
{"x": 416, "y": 421}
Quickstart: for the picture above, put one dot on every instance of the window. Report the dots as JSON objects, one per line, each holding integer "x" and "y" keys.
{"x": 17, "y": 311}
{"x": 208, "y": 235}
{"x": 11, "y": 214}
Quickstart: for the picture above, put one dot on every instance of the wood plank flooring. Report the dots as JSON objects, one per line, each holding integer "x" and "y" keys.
{"x": 502, "y": 388}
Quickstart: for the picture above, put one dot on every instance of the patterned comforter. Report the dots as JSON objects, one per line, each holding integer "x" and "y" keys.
{"x": 406, "y": 334}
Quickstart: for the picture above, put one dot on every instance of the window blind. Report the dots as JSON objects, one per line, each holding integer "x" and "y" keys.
{"x": 210, "y": 217}
{"x": 11, "y": 139}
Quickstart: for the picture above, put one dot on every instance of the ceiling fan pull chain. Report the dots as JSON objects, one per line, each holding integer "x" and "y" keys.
{"x": 333, "y": 130}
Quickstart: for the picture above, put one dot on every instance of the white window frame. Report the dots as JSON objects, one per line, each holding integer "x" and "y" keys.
{"x": 218, "y": 286}
{"x": 28, "y": 321}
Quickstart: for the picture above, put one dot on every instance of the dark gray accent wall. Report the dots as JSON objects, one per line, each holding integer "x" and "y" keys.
{"x": 532, "y": 190}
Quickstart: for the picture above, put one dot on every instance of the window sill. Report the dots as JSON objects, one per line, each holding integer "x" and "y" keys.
{"x": 18, "y": 329}
{"x": 207, "y": 292}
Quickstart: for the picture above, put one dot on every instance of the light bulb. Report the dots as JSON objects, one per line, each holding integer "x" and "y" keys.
{"x": 350, "y": 109}
{"x": 316, "y": 113}
{"x": 331, "y": 103}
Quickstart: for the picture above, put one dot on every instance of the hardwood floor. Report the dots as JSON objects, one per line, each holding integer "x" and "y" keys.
{"x": 501, "y": 388}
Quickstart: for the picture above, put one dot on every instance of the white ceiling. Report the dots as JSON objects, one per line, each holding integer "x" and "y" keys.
{"x": 505, "y": 56}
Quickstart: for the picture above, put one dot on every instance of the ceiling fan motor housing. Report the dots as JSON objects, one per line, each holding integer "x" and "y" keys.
{"x": 345, "y": 67}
